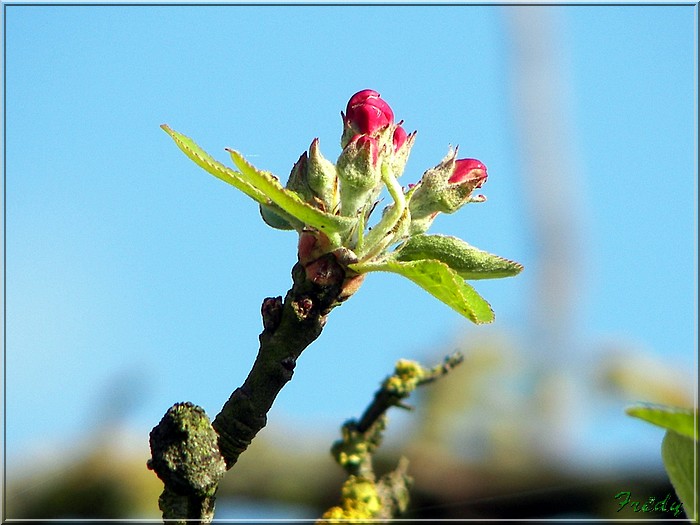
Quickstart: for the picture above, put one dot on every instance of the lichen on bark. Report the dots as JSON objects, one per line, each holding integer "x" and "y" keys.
{"x": 186, "y": 457}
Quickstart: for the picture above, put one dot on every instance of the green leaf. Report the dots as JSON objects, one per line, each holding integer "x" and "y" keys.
{"x": 202, "y": 159}
{"x": 441, "y": 281}
{"x": 289, "y": 201}
{"x": 469, "y": 262}
{"x": 680, "y": 420}
{"x": 678, "y": 454}
{"x": 263, "y": 187}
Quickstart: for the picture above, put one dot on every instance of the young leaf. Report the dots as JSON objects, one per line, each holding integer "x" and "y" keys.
{"x": 680, "y": 420}
{"x": 202, "y": 159}
{"x": 441, "y": 281}
{"x": 289, "y": 201}
{"x": 678, "y": 454}
{"x": 469, "y": 262}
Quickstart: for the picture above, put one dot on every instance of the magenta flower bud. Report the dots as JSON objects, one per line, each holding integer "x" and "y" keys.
{"x": 367, "y": 113}
{"x": 361, "y": 96}
{"x": 471, "y": 170}
{"x": 445, "y": 188}
{"x": 399, "y": 138}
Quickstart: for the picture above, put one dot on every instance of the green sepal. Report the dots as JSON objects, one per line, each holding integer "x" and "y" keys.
{"x": 289, "y": 201}
{"x": 298, "y": 181}
{"x": 359, "y": 179}
{"x": 469, "y": 262}
{"x": 438, "y": 279}
{"x": 322, "y": 178}
{"x": 205, "y": 161}
{"x": 680, "y": 420}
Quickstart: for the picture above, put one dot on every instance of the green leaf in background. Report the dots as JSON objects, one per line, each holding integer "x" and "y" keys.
{"x": 678, "y": 454}
{"x": 205, "y": 161}
{"x": 289, "y": 201}
{"x": 678, "y": 448}
{"x": 441, "y": 281}
{"x": 680, "y": 420}
{"x": 469, "y": 262}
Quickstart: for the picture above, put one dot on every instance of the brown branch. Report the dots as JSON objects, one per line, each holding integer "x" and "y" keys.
{"x": 289, "y": 327}
{"x": 190, "y": 454}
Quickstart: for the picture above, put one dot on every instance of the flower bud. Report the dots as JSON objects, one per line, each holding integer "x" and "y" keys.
{"x": 314, "y": 179}
{"x": 401, "y": 144}
{"x": 359, "y": 173}
{"x": 365, "y": 114}
{"x": 399, "y": 138}
{"x": 469, "y": 170}
{"x": 445, "y": 188}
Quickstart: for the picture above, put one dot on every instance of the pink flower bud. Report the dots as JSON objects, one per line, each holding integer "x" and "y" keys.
{"x": 361, "y": 96}
{"x": 469, "y": 170}
{"x": 445, "y": 188}
{"x": 399, "y": 138}
{"x": 367, "y": 113}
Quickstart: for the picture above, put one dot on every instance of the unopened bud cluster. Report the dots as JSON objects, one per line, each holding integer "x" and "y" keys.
{"x": 375, "y": 150}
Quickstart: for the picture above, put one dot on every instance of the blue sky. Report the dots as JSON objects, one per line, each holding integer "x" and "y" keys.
{"x": 130, "y": 270}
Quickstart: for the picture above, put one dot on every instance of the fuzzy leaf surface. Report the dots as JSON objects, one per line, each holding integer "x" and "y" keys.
{"x": 469, "y": 262}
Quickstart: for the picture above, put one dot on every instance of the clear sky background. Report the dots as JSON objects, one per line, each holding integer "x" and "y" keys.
{"x": 130, "y": 271}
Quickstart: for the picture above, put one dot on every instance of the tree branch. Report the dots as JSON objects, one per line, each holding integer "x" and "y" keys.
{"x": 185, "y": 456}
{"x": 189, "y": 453}
{"x": 289, "y": 327}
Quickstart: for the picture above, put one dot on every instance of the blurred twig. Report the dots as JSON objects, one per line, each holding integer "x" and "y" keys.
{"x": 363, "y": 496}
